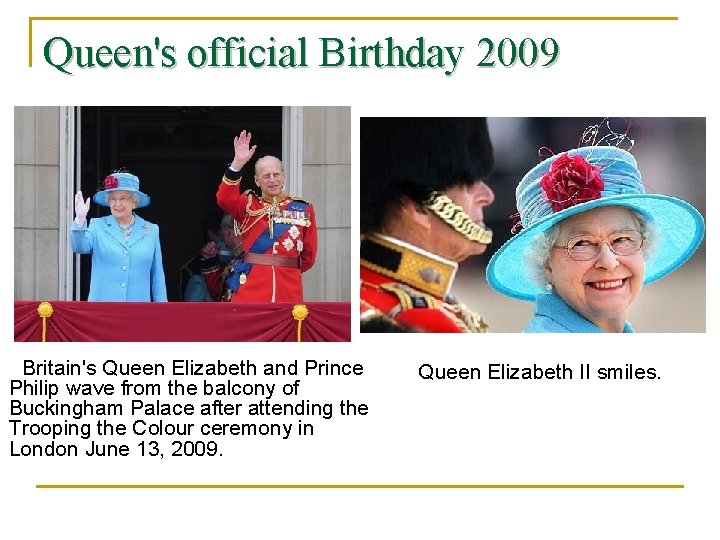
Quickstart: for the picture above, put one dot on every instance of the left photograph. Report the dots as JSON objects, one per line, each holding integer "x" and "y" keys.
{"x": 182, "y": 223}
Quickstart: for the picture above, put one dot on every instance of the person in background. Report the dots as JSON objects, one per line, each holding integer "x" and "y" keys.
{"x": 218, "y": 261}
{"x": 278, "y": 231}
{"x": 126, "y": 257}
{"x": 193, "y": 286}
{"x": 591, "y": 238}
{"x": 422, "y": 195}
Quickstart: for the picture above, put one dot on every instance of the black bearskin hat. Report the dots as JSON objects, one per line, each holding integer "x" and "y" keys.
{"x": 413, "y": 156}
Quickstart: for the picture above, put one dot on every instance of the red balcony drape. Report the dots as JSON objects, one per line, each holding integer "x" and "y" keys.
{"x": 181, "y": 321}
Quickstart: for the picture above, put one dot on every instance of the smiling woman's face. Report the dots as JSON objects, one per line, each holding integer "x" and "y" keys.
{"x": 603, "y": 288}
{"x": 121, "y": 204}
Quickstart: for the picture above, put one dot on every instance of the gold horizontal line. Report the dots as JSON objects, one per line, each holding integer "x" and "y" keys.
{"x": 360, "y": 486}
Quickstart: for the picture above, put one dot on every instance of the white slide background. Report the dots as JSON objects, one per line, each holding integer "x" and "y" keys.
{"x": 416, "y": 432}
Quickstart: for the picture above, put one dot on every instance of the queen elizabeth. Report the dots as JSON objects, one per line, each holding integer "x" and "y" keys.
{"x": 125, "y": 248}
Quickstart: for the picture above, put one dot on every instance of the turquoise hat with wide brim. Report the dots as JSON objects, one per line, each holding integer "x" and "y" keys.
{"x": 124, "y": 181}
{"x": 679, "y": 225}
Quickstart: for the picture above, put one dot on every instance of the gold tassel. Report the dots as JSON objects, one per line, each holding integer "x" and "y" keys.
{"x": 45, "y": 310}
{"x": 299, "y": 313}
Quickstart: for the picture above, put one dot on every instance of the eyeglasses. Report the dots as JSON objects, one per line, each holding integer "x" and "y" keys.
{"x": 587, "y": 247}
{"x": 115, "y": 200}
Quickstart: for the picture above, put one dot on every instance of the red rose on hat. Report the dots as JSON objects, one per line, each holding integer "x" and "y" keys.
{"x": 111, "y": 182}
{"x": 571, "y": 181}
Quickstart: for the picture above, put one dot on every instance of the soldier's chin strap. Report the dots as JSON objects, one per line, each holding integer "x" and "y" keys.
{"x": 442, "y": 206}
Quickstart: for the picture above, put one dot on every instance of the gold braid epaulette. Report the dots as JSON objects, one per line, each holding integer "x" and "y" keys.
{"x": 250, "y": 194}
{"x": 454, "y": 215}
{"x": 242, "y": 229}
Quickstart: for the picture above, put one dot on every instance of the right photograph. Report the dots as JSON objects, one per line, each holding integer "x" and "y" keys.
{"x": 535, "y": 225}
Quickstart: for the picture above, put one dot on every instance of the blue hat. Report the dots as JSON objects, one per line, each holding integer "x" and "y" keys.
{"x": 575, "y": 182}
{"x": 121, "y": 181}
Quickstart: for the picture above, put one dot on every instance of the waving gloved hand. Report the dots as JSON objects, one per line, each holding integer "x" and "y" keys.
{"x": 82, "y": 207}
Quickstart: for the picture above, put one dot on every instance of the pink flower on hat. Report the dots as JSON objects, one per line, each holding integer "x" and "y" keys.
{"x": 111, "y": 182}
{"x": 570, "y": 181}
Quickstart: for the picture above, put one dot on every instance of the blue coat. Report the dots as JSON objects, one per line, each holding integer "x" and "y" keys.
{"x": 120, "y": 272}
{"x": 552, "y": 314}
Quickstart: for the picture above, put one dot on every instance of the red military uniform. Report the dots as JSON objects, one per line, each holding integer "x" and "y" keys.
{"x": 280, "y": 241}
{"x": 406, "y": 286}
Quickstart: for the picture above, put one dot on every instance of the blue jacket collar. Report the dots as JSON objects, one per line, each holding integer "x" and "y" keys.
{"x": 140, "y": 229}
{"x": 552, "y": 310}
